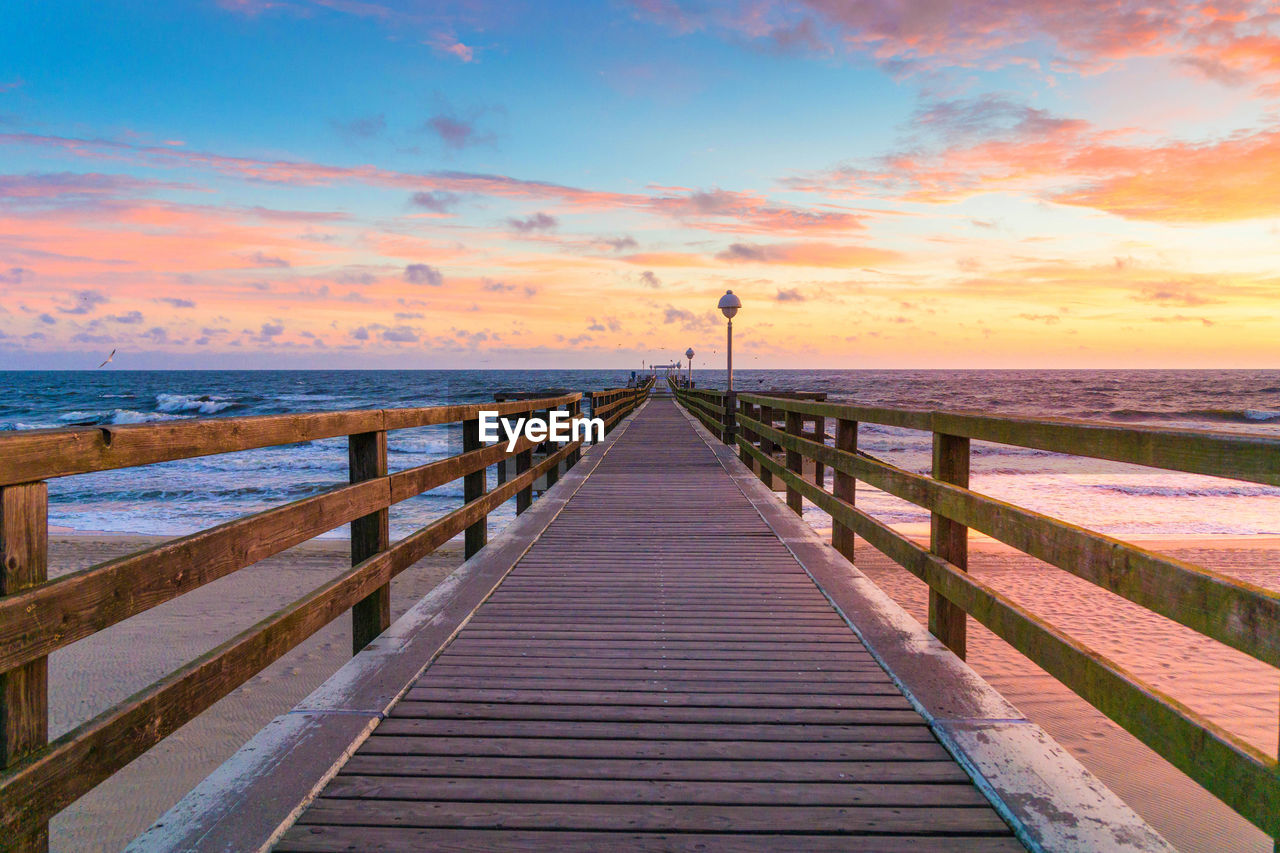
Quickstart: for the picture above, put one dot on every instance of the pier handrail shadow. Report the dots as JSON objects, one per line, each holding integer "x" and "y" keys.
{"x": 1241, "y": 615}
{"x": 39, "y": 778}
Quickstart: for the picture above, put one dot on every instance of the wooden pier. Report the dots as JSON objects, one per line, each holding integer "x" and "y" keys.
{"x": 657, "y": 654}
{"x": 657, "y": 665}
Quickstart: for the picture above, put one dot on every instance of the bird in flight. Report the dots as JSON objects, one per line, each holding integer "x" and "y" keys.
{"x": 109, "y": 358}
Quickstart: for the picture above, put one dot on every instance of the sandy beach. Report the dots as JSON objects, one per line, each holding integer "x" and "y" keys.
{"x": 90, "y": 676}
{"x": 1231, "y": 688}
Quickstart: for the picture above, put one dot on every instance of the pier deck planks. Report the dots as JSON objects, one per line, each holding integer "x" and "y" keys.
{"x": 657, "y": 673}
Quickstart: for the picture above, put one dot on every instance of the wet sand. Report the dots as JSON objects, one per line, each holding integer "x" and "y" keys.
{"x": 90, "y": 676}
{"x": 1229, "y": 687}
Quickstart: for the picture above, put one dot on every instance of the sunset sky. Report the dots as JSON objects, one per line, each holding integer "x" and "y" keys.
{"x": 406, "y": 183}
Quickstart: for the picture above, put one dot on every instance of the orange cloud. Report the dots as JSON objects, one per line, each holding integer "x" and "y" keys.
{"x": 989, "y": 145}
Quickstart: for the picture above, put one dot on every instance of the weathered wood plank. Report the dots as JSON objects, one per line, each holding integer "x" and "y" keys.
{"x": 734, "y": 793}
{"x": 949, "y": 540}
{"x": 24, "y": 690}
{"x": 693, "y": 818}
{"x": 331, "y": 839}
{"x": 370, "y": 534}
{"x": 740, "y": 770}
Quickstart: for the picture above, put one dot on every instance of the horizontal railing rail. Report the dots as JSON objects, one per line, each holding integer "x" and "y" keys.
{"x": 38, "y": 616}
{"x": 777, "y": 434}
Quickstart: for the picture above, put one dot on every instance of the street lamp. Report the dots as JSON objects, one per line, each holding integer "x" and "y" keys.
{"x": 689, "y": 355}
{"x": 729, "y": 305}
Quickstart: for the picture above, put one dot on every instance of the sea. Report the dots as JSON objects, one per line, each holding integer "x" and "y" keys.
{"x": 184, "y": 496}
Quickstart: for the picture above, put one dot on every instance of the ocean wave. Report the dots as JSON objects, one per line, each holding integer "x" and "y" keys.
{"x": 1222, "y": 415}
{"x": 205, "y": 404}
{"x": 128, "y": 416}
{"x": 1151, "y": 491}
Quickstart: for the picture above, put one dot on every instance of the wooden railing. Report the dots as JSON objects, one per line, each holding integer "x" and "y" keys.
{"x": 614, "y": 404}
{"x": 1241, "y": 615}
{"x": 705, "y": 404}
{"x": 38, "y": 616}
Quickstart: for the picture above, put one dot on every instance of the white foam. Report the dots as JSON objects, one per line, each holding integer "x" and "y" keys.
{"x": 205, "y": 404}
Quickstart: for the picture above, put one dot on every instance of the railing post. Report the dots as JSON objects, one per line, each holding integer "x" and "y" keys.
{"x": 553, "y": 473}
{"x": 524, "y": 497}
{"x": 795, "y": 462}
{"x": 766, "y": 444}
{"x": 24, "y": 690}
{"x": 730, "y": 417}
{"x": 370, "y": 534}
{"x": 820, "y": 436}
{"x": 844, "y": 486}
{"x": 749, "y": 437}
{"x": 949, "y": 540}
{"x": 575, "y": 411}
{"x": 473, "y": 487}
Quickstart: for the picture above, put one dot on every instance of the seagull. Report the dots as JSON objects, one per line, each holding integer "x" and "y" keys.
{"x": 109, "y": 358}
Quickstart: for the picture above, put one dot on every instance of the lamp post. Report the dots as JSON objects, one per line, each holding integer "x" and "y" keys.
{"x": 729, "y": 305}
{"x": 689, "y": 355}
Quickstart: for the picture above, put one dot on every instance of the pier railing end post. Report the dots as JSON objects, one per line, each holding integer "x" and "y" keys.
{"x": 474, "y": 486}
{"x": 24, "y": 690}
{"x": 844, "y": 486}
{"x": 370, "y": 534}
{"x": 949, "y": 540}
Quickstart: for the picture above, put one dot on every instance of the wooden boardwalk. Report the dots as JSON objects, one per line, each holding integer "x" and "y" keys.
{"x": 657, "y": 672}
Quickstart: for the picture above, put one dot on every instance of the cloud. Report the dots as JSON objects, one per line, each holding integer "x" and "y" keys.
{"x": 619, "y": 244}
{"x": 1231, "y": 42}
{"x": 175, "y": 302}
{"x": 807, "y": 254}
{"x": 67, "y": 188}
{"x": 48, "y": 319}
{"x": 129, "y": 318}
{"x": 496, "y": 286}
{"x": 85, "y": 301}
{"x": 648, "y": 279}
{"x": 260, "y": 259}
{"x": 741, "y": 212}
{"x": 401, "y": 335}
{"x": 686, "y": 319}
{"x": 792, "y": 294}
{"x": 1173, "y": 293}
{"x": 448, "y": 45}
{"x": 537, "y": 222}
{"x": 992, "y": 146}
{"x": 436, "y": 201}
{"x": 366, "y": 127}
{"x": 360, "y": 333}
{"x": 423, "y": 274}
{"x": 457, "y": 132}
{"x": 14, "y": 275}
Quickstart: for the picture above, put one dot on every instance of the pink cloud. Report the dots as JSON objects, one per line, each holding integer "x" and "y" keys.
{"x": 451, "y": 46}
{"x": 1072, "y": 162}
{"x": 1234, "y": 41}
